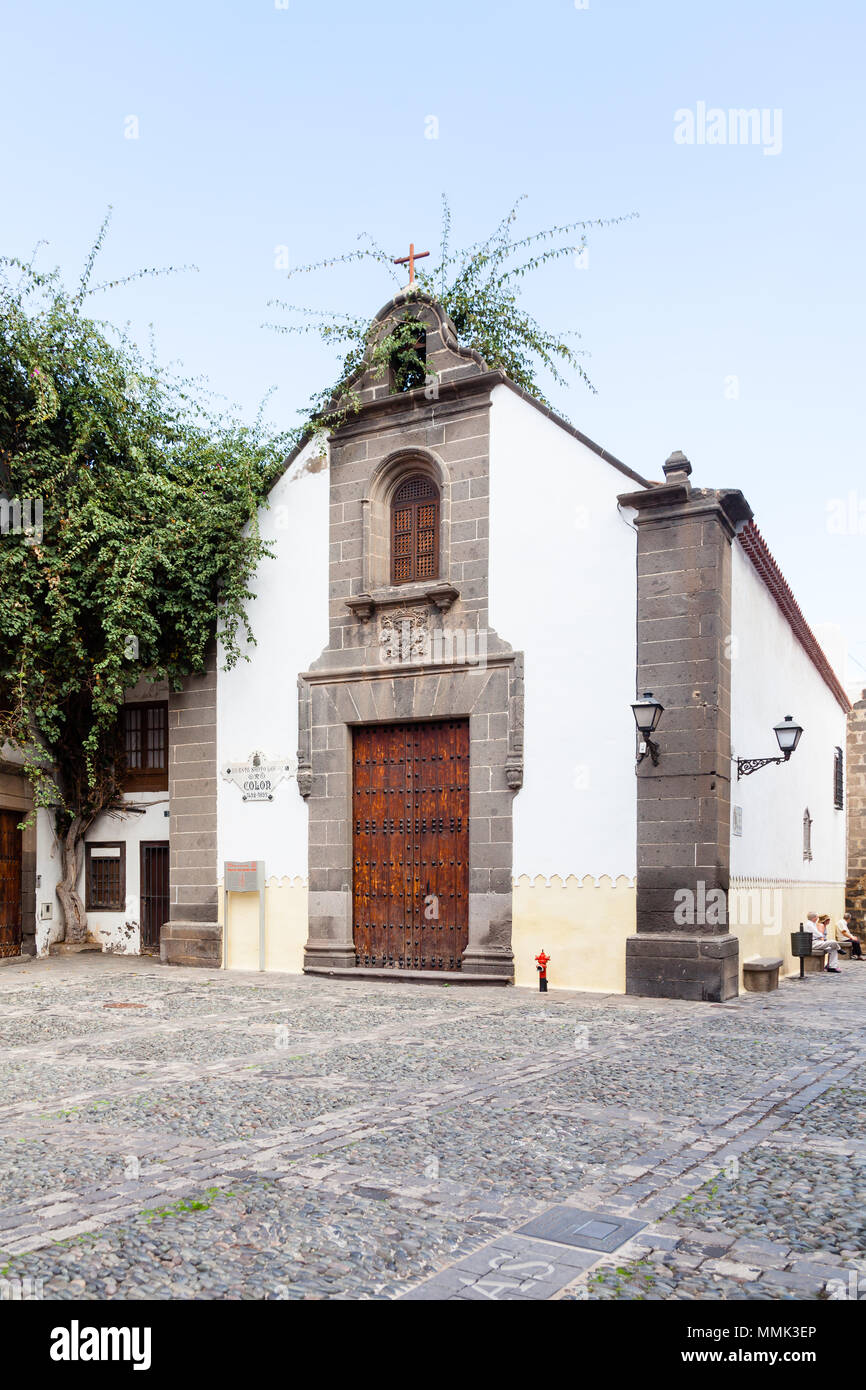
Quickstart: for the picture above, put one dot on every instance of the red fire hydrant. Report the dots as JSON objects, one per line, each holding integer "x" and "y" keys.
{"x": 541, "y": 967}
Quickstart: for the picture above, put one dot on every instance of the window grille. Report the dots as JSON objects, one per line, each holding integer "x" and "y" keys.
{"x": 105, "y": 876}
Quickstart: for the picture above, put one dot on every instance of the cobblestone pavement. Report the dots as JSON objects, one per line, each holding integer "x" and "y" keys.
{"x": 190, "y": 1134}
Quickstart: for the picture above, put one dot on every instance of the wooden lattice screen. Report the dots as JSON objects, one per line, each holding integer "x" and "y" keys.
{"x": 415, "y": 531}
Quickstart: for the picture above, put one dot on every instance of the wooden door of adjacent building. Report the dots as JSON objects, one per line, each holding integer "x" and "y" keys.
{"x": 10, "y": 883}
{"x": 154, "y": 892}
{"x": 410, "y": 890}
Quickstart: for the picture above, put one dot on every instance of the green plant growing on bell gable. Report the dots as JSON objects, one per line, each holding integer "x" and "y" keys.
{"x": 146, "y": 547}
{"x": 479, "y": 289}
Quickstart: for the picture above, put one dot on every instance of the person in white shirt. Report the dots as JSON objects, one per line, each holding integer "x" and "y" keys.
{"x": 821, "y": 946}
{"x": 844, "y": 933}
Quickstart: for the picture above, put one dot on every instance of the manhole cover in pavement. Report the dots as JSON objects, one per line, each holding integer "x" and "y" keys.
{"x": 590, "y": 1230}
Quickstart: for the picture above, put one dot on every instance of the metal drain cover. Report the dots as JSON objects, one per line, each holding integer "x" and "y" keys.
{"x": 590, "y": 1230}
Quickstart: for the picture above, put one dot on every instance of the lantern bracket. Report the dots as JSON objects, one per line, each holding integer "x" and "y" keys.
{"x": 747, "y": 765}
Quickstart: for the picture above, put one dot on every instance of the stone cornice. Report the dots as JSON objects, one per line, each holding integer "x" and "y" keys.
{"x": 389, "y": 670}
{"x": 439, "y": 593}
{"x": 679, "y": 501}
{"x": 8, "y": 769}
{"x": 402, "y": 408}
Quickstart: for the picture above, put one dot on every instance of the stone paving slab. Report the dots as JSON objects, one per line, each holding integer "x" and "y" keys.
{"x": 305, "y": 1138}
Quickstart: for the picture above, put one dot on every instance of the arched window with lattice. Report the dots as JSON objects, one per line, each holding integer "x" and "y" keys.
{"x": 415, "y": 530}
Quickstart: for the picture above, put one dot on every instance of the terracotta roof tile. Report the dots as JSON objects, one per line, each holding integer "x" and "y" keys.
{"x": 758, "y": 551}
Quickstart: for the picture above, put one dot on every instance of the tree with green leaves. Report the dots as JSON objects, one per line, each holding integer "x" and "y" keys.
{"x": 129, "y": 539}
{"x": 479, "y": 289}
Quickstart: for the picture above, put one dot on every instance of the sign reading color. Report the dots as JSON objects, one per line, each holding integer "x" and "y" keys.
{"x": 259, "y": 777}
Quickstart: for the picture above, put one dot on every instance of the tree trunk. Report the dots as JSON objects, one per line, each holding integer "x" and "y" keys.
{"x": 72, "y": 854}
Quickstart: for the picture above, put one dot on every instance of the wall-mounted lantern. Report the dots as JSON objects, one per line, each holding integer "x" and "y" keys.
{"x": 647, "y": 712}
{"x": 787, "y": 736}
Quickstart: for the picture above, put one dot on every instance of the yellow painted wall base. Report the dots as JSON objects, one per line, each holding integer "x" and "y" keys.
{"x": 582, "y": 924}
{"x": 764, "y": 911}
{"x": 285, "y": 927}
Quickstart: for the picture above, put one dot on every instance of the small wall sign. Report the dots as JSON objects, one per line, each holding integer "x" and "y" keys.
{"x": 244, "y": 876}
{"x": 259, "y": 777}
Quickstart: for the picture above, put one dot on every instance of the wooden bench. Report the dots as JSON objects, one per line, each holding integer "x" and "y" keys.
{"x": 762, "y": 975}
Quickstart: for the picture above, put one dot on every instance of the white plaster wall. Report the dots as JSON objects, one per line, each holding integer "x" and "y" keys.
{"x": 121, "y": 931}
{"x": 117, "y": 931}
{"x": 257, "y": 701}
{"x": 47, "y": 878}
{"x": 771, "y": 676}
{"x": 563, "y": 589}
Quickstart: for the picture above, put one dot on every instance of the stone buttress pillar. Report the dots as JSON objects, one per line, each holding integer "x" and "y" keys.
{"x": 683, "y": 948}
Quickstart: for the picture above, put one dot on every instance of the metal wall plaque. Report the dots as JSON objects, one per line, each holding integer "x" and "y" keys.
{"x": 259, "y": 776}
{"x": 244, "y": 876}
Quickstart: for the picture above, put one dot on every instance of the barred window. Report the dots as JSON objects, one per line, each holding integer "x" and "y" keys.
{"x": 145, "y": 746}
{"x": 807, "y": 834}
{"x": 838, "y": 779}
{"x": 415, "y": 531}
{"x": 105, "y": 876}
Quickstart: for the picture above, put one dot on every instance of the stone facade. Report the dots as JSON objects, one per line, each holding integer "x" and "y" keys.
{"x": 683, "y": 807}
{"x": 192, "y": 935}
{"x": 855, "y": 800}
{"x": 421, "y": 650}
{"x": 424, "y": 650}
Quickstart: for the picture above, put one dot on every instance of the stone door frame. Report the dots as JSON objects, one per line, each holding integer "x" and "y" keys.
{"x": 331, "y": 704}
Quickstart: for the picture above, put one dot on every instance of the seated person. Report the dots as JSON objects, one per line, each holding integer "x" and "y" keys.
{"x": 845, "y": 935}
{"x": 820, "y": 945}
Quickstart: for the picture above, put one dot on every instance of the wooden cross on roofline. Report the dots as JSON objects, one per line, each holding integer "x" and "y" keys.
{"x": 412, "y": 257}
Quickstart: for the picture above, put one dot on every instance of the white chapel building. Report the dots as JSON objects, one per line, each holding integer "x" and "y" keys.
{"x": 429, "y": 764}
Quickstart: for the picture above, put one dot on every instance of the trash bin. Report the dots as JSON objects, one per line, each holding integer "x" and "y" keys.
{"x": 801, "y": 945}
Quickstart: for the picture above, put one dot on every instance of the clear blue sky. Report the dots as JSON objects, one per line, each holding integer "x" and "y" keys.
{"x": 261, "y": 126}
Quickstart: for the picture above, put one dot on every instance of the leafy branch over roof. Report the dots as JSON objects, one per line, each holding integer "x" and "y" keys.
{"x": 479, "y": 288}
{"x": 138, "y": 540}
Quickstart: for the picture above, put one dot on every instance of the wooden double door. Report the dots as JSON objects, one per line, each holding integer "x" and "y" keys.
{"x": 410, "y": 886}
{"x": 10, "y": 883}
